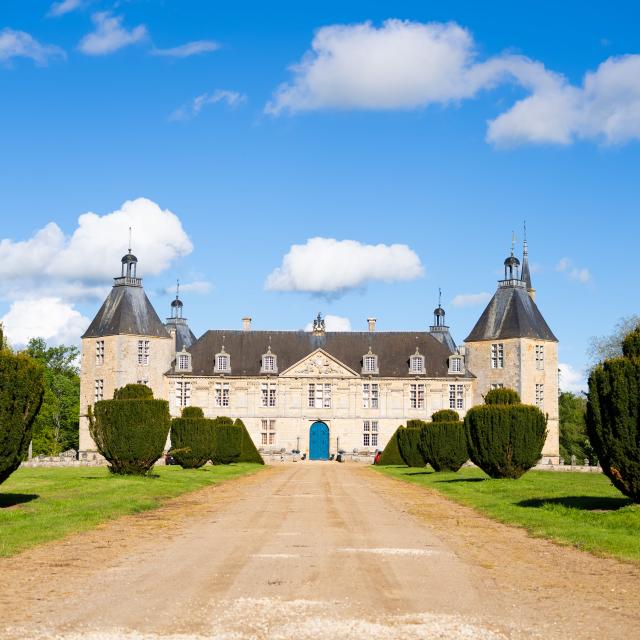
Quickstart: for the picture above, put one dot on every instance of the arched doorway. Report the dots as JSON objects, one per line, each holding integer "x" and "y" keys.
{"x": 319, "y": 441}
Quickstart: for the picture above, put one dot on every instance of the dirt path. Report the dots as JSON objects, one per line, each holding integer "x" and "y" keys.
{"x": 313, "y": 551}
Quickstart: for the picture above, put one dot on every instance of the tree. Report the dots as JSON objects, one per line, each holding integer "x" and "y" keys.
{"x": 248, "y": 450}
{"x": 391, "y": 454}
{"x": 444, "y": 443}
{"x": 192, "y": 438}
{"x": 573, "y": 431}
{"x": 602, "y": 348}
{"x": 227, "y": 441}
{"x": 56, "y": 427}
{"x": 409, "y": 443}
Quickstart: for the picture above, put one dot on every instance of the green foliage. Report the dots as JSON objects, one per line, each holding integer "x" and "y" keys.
{"x": 391, "y": 454}
{"x": 21, "y": 392}
{"x": 227, "y": 441}
{"x": 56, "y": 426}
{"x": 605, "y": 347}
{"x": 502, "y": 396}
{"x": 631, "y": 344}
{"x": 613, "y": 422}
{"x": 573, "y": 432}
{"x": 130, "y": 434}
{"x": 409, "y": 443}
{"x": 505, "y": 440}
{"x": 248, "y": 450}
{"x": 133, "y": 392}
{"x": 192, "y": 412}
{"x": 444, "y": 445}
{"x": 192, "y": 438}
{"x": 445, "y": 415}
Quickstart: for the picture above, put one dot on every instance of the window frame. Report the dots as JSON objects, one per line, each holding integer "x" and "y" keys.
{"x": 497, "y": 355}
{"x": 268, "y": 394}
{"x": 144, "y": 352}
{"x": 222, "y": 394}
{"x": 417, "y": 395}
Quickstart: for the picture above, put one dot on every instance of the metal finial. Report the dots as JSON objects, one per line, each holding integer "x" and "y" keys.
{"x": 525, "y": 231}
{"x": 439, "y": 297}
{"x": 177, "y": 288}
{"x": 129, "y": 239}
{"x": 513, "y": 242}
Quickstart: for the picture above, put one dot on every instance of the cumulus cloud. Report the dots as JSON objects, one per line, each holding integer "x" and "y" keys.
{"x": 197, "y": 286}
{"x": 579, "y": 274}
{"x": 110, "y": 35}
{"x": 572, "y": 379}
{"x": 407, "y": 65}
{"x": 471, "y": 299}
{"x": 79, "y": 265}
{"x": 329, "y": 266}
{"x": 333, "y": 323}
{"x": 186, "y": 112}
{"x": 63, "y": 7}
{"x": 49, "y": 317}
{"x": 188, "y": 49}
{"x": 19, "y": 44}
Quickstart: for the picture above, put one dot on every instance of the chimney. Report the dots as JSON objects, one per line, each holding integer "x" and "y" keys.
{"x": 246, "y": 323}
{"x": 372, "y": 324}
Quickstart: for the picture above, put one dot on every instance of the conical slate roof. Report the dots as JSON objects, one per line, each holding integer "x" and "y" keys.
{"x": 511, "y": 314}
{"x": 126, "y": 311}
{"x": 184, "y": 336}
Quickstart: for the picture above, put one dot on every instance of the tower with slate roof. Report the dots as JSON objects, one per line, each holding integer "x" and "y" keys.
{"x": 125, "y": 343}
{"x": 512, "y": 346}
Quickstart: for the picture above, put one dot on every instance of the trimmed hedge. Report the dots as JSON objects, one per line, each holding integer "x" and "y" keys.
{"x": 21, "y": 393}
{"x": 130, "y": 432}
{"x": 505, "y": 440}
{"x": 227, "y": 441}
{"x": 409, "y": 444}
{"x": 613, "y": 417}
{"x": 444, "y": 445}
{"x": 192, "y": 438}
{"x": 502, "y": 396}
{"x": 445, "y": 415}
{"x": 391, "y": 454}
{"x": 248, "y": 450}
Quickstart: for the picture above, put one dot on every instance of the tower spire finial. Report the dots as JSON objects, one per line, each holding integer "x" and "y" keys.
{"x": 439, "y": 297}
{"x": 513, "y": 242}
{"x": 129, "y": 239}
{"x": 177, "y": 288}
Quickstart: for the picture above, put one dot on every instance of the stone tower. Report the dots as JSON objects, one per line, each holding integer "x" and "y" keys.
{"x": 512, "y": 346}
{"x": 125, "y": 343}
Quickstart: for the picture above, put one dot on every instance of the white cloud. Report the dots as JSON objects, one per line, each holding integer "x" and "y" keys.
{"x": 329, "y": 266}
{"x": 471, "y": 299}
{"x": 19, "y": 44}
{"x": 197, "y": 286}
{"x": 571, "y": 379}
{"x": 186, "y": 112}
{"x": 110, "y": 35}
{"x": 65, "y": 6}
{"x": 188, "y": 49}
{"x": 80, "y": 265}
{"x": 50, "y": 318}
{"x": 407, "y": 65}
{"x": 579, "y": 274}
{"x": 333, "y": 323}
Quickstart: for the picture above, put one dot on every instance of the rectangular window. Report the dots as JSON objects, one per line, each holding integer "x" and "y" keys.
{"x": 497, "y": 356}
{"x": 143, "y": 352}
{"x": 320, "y": 396}
{"x": 221, "y": 394}
{"x": 456, "y": 365}
{"x": 222, "y": 363}
{"x": 268, "y": 432}
{"x": 268, "y": 394}
{"x": 99, "y": 351}
{"x": 456, "y": 396}
{"x": 184, "y": 362}
{"x": 540, "y": 395}
{"x": 540, "y": 357}
{"x": 99, "y": 390}
{"x": 370, "y": 394}
{"x": 183, "y": 393}
{"x": 497, "y": 385}
{"x": 416, "y": 396}
{"x": 143, "y": 381}
{"x": 268, "y": 363}
{"x": 370, "y": 433}
{"x": 417, "y": 364}
{"x": 370, "y": 364}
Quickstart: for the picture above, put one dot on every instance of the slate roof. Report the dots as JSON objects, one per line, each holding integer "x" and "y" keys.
{"x": 511, "y": 314}
{"x": 126, "y": 311}
{"x": 246, "y": 349}
{"x": 184, "y": 336}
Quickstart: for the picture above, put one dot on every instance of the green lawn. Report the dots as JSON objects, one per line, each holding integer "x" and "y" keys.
{"x": 38, "y": 505}
{"x": 581, "y": 509}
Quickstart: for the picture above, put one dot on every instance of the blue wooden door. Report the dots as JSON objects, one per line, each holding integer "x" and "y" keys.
{"x": 319, "y": 441}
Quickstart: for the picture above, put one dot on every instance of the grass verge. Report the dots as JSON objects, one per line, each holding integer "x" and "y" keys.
{"x": 39, "y": 505}
{"x": 580, "y": 509}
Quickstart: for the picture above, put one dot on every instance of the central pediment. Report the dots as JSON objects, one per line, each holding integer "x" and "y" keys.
{"x": 317, "y": 365}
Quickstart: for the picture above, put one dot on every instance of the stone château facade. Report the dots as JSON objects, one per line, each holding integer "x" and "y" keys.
{"x": 355, "y": 387}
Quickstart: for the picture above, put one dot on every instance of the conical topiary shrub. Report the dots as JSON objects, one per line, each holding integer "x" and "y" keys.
{"x": 444, "y": 443}
{"x": 248, "y": 450}
{"x": 192, "y": 438}
{"x": 504, "y": 437}
{"x": 391, "y": 453}
{"x": 131, "y": 430}
{"x": 227, "y": 441}
{"x": 613, "y": 417}
{"x": 21, "y": 393}
{"x": 409, "y": 443}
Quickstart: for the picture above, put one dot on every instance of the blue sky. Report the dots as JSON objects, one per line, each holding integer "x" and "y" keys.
{"x": 441, "y": 131}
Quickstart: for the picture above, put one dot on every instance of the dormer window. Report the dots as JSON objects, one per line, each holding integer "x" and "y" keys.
{"x": 183, "y": 360}
{"x": 370, "y": 363}
{"x": 416, "y": 363}
{"x": 269, "y": 362}
{"x": 222, "y": 362}
{"x": 456, "y": 364}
